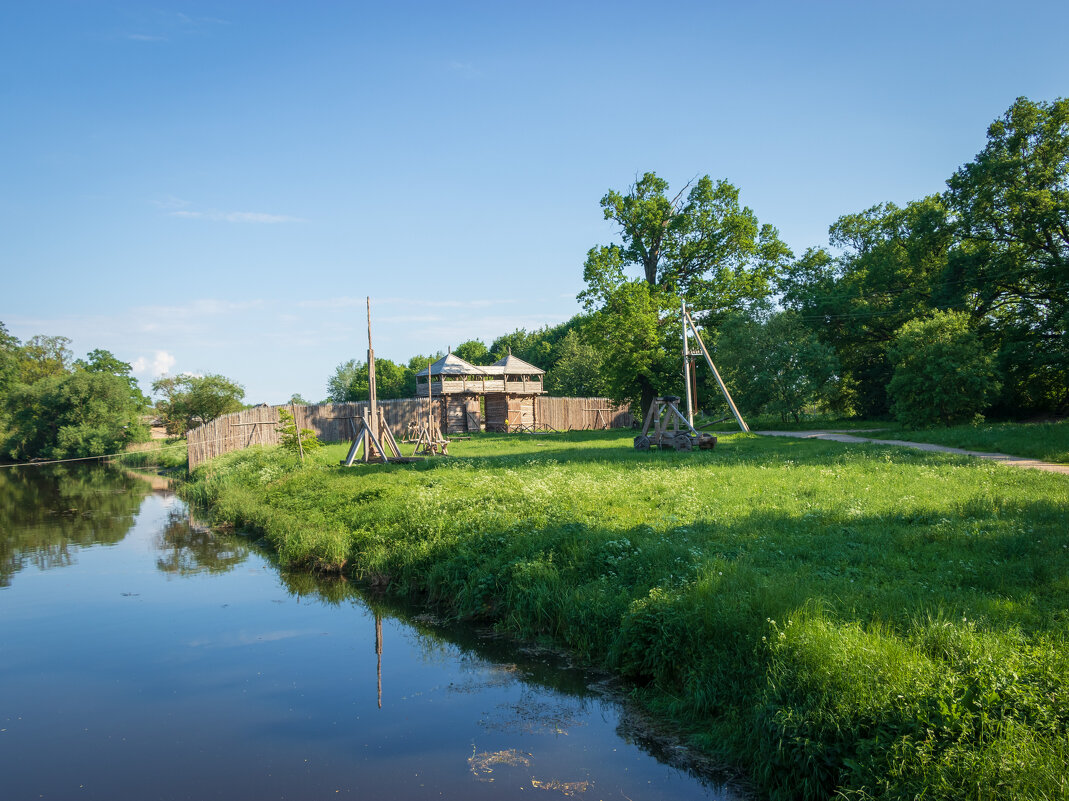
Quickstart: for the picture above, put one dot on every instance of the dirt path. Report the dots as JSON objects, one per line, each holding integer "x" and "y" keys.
{"x": 841, "y": 436}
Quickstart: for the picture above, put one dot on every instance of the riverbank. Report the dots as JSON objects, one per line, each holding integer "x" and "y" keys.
{"x": 854, "y": 618}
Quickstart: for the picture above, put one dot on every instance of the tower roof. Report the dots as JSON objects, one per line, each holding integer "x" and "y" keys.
{"x": 451, "y": 364}
{"x": 512, "y": 365}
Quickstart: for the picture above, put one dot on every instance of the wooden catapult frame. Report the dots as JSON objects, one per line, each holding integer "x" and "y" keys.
{"x": 662, "y": 426}
{"x": 429, "y": 439}
{"x": 372, "y": 432}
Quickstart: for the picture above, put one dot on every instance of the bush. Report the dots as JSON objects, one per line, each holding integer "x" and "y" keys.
{"x": 941, "y": 372}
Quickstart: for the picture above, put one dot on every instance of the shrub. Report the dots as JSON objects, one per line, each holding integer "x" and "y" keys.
{"x": 941, "y": 372}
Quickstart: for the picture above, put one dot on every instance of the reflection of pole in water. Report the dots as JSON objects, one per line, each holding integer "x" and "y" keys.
{"x": 378, "y": 652}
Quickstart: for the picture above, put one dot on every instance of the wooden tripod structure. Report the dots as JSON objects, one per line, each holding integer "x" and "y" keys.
{"x": 689, "y": 330}
{"x": 429, "y": 439}
{"x": 373, "y": 432}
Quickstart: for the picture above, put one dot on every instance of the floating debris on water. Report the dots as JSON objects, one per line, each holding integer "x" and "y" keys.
{"x": 566, "y": 788}
{"x": 483, "y": 764}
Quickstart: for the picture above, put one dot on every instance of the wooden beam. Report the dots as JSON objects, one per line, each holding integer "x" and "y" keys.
{"x": 716, "y": 374}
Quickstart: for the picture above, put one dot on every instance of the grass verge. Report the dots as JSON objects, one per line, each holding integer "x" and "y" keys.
{"x": 857, "y": 621}
{"x": 168, "y": 454}
{"x": 1046, "y": 441}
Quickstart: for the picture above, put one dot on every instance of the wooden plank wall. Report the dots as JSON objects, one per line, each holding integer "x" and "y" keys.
{"x": 333, "y": 422}
{"x": 576, "y": 414}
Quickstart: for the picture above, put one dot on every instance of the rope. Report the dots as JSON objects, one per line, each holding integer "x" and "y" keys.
{"x": 92, "y": 458}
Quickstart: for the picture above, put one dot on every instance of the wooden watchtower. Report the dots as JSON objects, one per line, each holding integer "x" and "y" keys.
{"x": 456, "y": 386}
{"x": 506, "y": 388}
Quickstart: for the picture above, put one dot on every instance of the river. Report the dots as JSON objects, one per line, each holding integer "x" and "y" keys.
{"x": 145, "y": 657}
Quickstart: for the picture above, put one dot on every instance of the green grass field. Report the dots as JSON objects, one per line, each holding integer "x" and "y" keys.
{"x": 859, "y": 620}
{"x": 1047, "y": 441}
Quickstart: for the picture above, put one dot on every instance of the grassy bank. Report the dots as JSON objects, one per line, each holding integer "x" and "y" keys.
{"x": 166, "y": 454}
{"x": 1047, "y": 441}
{"x": 867, "y": 620}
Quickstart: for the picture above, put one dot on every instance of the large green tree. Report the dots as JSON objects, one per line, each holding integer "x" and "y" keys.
{"x": 104, "y": 361}
{"x": 44, "y": 356}
{"x": 10, "y": 360}
{"x": 699, "y": 245}
{"x": 74, "y": 414}
{"x": 187, "y": 401}
{"x": 1012, "y": 214}
{"x": 890, "y": 269}
{"x": 577, "y": 370}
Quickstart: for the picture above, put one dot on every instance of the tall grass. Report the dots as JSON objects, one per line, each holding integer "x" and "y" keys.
{"x": 167, "y": 454}
{"x": 864, "y": 621}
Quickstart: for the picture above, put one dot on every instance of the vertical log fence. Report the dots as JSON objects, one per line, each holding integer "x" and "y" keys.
{"x": 336, "y": 422}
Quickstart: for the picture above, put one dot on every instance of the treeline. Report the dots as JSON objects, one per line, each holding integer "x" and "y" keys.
{"x": 53, "y": 406}
{"x": 951, "y": 307}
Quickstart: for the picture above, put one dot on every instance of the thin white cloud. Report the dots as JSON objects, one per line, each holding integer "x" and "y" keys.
{"x": 169, "y": 202}
{"x": 145, "y": 37}
{"x": 235, "y": 216}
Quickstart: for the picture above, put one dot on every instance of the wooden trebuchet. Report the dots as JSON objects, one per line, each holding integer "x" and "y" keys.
{"x": 665, "y": 418}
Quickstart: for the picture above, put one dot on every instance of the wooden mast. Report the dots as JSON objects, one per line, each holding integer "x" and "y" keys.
{"x": 370, "y": 452}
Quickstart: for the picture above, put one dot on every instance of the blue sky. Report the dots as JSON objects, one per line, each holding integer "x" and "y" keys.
{"x": 215, "y": 187}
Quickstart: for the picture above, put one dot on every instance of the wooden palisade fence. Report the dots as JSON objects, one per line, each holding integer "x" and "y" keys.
{"x": 335, "y": 422}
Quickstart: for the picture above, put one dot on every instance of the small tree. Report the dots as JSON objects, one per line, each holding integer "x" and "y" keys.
{"x": 287, "y": 434}
{"x": 189, "y": 400}
{"x": 942, "y": 374}
{"x": 577, "y": 372}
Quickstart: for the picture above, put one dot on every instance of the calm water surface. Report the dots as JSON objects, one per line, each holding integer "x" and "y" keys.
{"x": 142, "y": 657}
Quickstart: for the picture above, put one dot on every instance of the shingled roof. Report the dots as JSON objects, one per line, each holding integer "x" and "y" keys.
{"x": 451, "y": 364}
{"x": 511, "y": 365}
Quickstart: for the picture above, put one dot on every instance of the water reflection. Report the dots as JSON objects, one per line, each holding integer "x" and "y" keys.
{"x": 188, "y": 547}
{"x": 188, "y": 657}
{"x": 47, "y": 513}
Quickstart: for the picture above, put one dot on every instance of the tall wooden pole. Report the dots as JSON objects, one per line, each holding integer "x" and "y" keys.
{"x": 686, "y": 362}
{"x": 373, "y": 399}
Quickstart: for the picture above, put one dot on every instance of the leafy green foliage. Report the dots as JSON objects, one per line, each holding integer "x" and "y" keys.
{"x": 350, "y": 381}
{"x": 474, "y": 352}
{"x": 45, "y": 356}
{"x": 578, "y": 369}
{"x": 190, "y": 400}
{"x": 705, "y": 248}
{"x": 892, "y": 260}
{"x": 103, "y": 361}
{"x": 75, "y": 414}
{"x": 287, "y": 432}
{"x": 1012, "y": 206}
{"x": 942, "y": 372}
{"x": 10, "y": 357}
{"x": 777, "y": 365}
